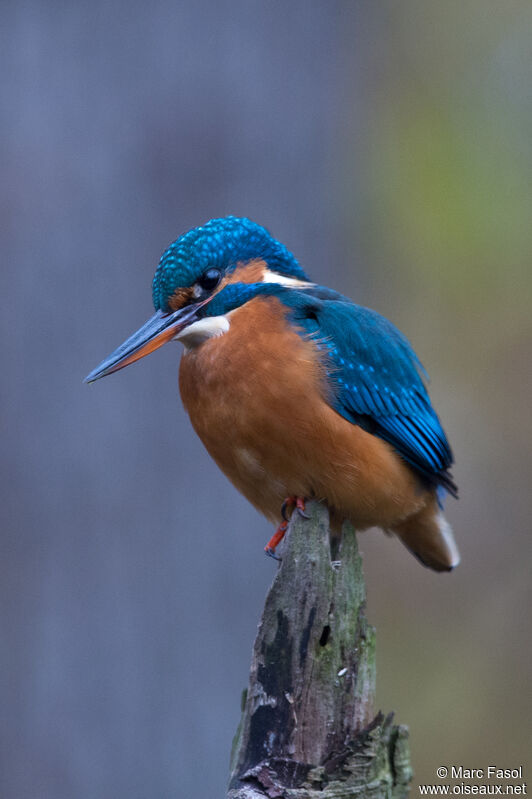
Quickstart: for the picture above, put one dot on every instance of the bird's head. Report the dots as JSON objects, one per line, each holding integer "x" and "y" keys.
{"x": 198, "y": 267}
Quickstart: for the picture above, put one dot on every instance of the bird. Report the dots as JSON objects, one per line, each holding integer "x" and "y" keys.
{"x": 298, "y": 393}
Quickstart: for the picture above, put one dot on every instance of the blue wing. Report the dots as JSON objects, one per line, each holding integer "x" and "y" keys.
{"x": 376, "y": 379}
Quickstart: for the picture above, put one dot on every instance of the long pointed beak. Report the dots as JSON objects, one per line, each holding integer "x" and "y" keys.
{"x": 156, "y": 332}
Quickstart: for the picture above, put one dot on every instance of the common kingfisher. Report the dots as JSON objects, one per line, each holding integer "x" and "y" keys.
{"x": 296, "y": 392}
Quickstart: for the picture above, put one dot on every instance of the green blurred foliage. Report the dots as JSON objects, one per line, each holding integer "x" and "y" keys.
{"x": 447, "y": 229}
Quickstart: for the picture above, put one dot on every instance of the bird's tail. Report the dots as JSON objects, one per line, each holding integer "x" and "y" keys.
{"x": 428, "y": 535}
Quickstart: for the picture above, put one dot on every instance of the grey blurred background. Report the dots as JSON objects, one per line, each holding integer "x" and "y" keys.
{"x": 388, "y": 145}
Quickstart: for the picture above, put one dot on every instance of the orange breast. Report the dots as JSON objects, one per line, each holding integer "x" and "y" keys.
{"x": 256, "y": 396}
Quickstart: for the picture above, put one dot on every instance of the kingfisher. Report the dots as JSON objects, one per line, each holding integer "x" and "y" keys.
{"x": 297, "y": 392}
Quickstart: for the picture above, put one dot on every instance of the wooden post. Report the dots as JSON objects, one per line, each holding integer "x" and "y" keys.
{"x": 308, "y": 729}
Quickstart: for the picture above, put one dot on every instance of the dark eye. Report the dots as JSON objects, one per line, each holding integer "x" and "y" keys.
{"x": 210, "y": 279}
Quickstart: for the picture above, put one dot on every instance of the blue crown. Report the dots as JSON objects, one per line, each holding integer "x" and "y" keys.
{"x": 221, "y": 244}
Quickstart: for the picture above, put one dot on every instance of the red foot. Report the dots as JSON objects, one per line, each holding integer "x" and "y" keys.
{"x": 298, "y": 502}
{"x": 275, "y": 540}
{"x": 277, "y": 537}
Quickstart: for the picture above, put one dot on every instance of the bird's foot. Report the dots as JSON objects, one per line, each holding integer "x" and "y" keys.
{"x": 298, "y": 503}
{"x": 275, "y": 540}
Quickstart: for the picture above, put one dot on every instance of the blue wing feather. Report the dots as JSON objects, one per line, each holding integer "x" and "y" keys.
{"x": 376, "y": 379}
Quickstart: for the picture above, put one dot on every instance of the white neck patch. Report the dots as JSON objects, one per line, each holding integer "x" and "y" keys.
{"x": 202, "y": 330}
{"x": 283, "y": 280}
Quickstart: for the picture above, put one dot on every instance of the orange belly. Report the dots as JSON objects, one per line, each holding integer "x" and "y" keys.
{"x": 256, "y": 396}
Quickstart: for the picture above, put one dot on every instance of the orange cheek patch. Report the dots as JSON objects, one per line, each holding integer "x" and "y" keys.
{"x": 252, "y": 272}
{"x": 180, "y": 298}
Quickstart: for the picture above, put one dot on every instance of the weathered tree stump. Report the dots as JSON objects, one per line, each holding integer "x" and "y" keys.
{"x": 308, "y": 729}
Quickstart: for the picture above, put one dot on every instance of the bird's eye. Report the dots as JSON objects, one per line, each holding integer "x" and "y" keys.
{"x": 210, "y": 279}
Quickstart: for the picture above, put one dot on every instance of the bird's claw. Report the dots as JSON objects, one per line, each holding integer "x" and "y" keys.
{"x": 286, "y": 504}
{"x": 271, "y": 554}
{"x": 299, "y": 503}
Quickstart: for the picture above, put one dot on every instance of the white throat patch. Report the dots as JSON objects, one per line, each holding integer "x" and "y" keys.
{"x": 198, "y": 332}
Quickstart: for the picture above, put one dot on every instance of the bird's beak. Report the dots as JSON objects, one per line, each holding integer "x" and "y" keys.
{"x": 156, "y": 332}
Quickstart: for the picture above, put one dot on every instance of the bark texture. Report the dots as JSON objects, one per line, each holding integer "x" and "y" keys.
{"x": 308, "y": 727}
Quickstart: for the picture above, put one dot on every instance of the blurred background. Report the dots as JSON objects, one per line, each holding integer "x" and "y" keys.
{"x": 388, "y": 146}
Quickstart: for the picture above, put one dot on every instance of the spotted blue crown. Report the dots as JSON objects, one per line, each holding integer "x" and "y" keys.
{"x": 221, "y": 244}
